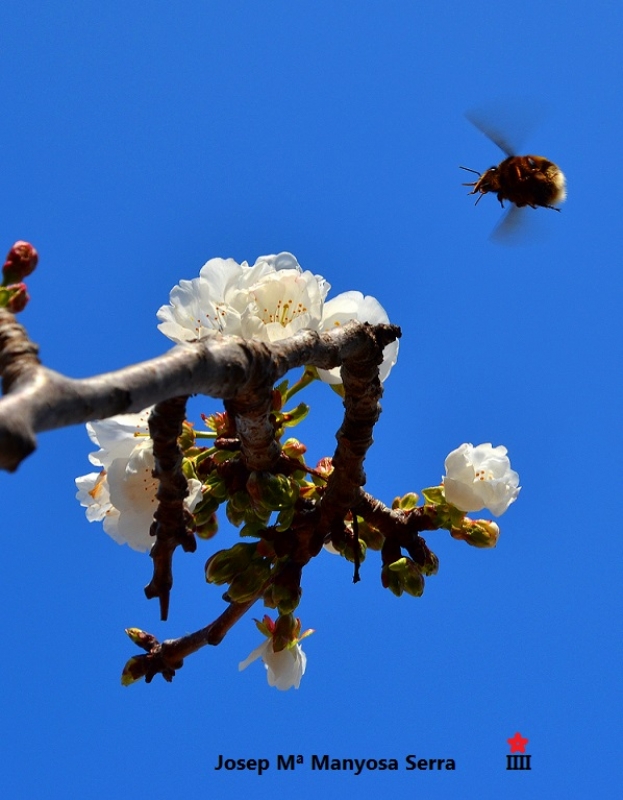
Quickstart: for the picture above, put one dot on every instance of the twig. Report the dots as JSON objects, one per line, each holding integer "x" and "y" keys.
{"x": 167, "y": 657}
{"x": 170, "y": 526}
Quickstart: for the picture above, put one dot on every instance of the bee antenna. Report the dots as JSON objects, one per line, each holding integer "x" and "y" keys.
{"x": 467, "y": 169}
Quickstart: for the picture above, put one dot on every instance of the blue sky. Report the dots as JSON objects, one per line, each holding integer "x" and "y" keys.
{"x": 138, "y": 141}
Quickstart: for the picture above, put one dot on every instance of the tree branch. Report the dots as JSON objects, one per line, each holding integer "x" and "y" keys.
{"x": 39, "y": 399}
{"x": 362, "y": 394}
{"x": 167, "y": 657}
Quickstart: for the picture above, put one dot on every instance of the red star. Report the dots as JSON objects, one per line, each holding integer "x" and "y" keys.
{"x": 518, "y": 743}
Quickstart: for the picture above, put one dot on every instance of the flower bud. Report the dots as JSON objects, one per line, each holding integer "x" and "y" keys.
{"x": 294, "y": 449}
{"x": 373, "y": 538}
{"x": 286, "y": 598}
{"x": 347, "y": 549}
{"x": 272, "y": 491}
{"x": 207, "y": 529}
{"x": 187, "y": 438}
{"x": 248, "y": 584}
{"x": 325, "y": 468}
{"x": 406, "y": 502}
{"x": 236, "y": 507}
{"x": 391, "y": 580}
{"x": 225, "y": 564}
{"x": 141, "y": 638}
{"x": 21, "y": 260}
{"x": 292, "y": 603}
{"x": 411, "y": 578}
{"x": 132, "y": 671}
{"x": 430, "y": 565}
{"x": 220, "y": 423}
{"x": 481, "y": 533}
{"x": 204, "y": 512}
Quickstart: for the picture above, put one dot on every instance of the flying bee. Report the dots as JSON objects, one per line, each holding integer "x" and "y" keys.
{"x": 522, "y": 180}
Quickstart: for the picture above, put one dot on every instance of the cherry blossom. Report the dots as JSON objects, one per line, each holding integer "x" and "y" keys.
{"x": 283, "y": 669}
{"x": 269, "y": 301}
{"x": 480, "y": 477}
{"x": 123, "y": 494}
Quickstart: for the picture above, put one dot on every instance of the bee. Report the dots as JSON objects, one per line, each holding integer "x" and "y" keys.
{"x": 532, "y": 181}
{"x": 523, "y": 180}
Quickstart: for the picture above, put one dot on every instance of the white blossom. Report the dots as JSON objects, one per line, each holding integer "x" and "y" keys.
{"x": 354, "y": 305}
{"x": 480, "y": 477}
{"x": 280, "y": 298}
{"x": 203, "y": 306}
{"x": 269, "y": 301}
{"x": 123, "y": 494}
{"x": 283, "y": 669}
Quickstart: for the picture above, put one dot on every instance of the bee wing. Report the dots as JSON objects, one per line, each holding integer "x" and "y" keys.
{"x": 520, "y": 118}
{"x": 496, "y": 136}
{"x": 520, "y": 226}
{"x": 508, "y": 229}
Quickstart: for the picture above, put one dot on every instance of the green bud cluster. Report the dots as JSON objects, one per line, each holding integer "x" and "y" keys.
{"x": 403, "y": 575}
{"x": 225, "y": 565}
{"x": 263, "y": 505}
{"x": 371, "y": 537}
{"x": 285, "y": 598}
{"x": 347, "y": 549}
{"x": 269, "y": 492}
{"x": 242, "y": 568}
{"x": 248, "y": 585}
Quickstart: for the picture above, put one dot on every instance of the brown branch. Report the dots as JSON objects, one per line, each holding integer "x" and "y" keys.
{"x": 251, "y": 411}
{"x": 394, "y": 522}
{"x": 167, "y": 657}
{"x": 170, "y": 526}
{"x": 400, "y": 528}
{"x": 40, "y": 399}
{"x": 362, "y": 394}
